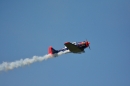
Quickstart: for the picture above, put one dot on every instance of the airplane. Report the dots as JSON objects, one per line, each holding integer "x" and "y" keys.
{"x": 73, "y": 47}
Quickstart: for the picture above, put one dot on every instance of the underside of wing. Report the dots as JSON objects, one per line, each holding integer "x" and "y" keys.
{"x": 73, "y": 48}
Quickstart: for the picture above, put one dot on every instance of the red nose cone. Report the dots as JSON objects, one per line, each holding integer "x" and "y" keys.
{"x": 87, "y": 43}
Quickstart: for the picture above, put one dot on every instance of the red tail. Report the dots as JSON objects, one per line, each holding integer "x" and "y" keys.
{"x": 50, "y": 50}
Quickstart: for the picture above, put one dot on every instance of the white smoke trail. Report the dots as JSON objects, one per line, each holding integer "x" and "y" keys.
{"x": 23, "y": 62}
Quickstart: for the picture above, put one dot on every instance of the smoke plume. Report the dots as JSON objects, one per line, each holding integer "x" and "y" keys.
{"x": 27, "y": 61}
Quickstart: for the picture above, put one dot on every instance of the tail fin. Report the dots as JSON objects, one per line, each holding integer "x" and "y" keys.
{"x": 52, "y": 50}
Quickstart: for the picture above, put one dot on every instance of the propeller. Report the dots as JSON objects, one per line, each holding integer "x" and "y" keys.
{"x": 89, "y": 47}
{"x": 88, "y": 44}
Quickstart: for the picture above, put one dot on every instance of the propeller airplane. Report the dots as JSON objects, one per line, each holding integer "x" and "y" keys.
{"x": 73, "y": 47}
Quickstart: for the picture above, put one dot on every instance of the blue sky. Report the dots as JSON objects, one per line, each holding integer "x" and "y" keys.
{"x": 29, "y": 27}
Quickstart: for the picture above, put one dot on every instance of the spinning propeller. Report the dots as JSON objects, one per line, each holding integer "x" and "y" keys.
{"x": 88, "y": 44}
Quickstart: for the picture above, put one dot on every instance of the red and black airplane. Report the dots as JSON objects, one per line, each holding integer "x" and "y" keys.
{"x": 74, "y": 47}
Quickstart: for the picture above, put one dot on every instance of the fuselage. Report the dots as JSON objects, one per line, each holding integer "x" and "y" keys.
{"x": 81, "y": 45}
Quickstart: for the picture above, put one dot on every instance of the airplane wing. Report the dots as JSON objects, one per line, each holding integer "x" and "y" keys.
{"x": 73, "y": 48}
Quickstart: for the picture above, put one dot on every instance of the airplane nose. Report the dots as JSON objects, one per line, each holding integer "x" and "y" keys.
{"x": 87, "y": 43}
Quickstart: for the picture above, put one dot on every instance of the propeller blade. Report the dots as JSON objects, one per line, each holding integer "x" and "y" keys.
{"x": 89, "y": 47}
{"x": 86, "y": 40}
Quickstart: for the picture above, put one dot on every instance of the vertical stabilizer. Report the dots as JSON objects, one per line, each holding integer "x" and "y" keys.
{"x": 52, "y": 50}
